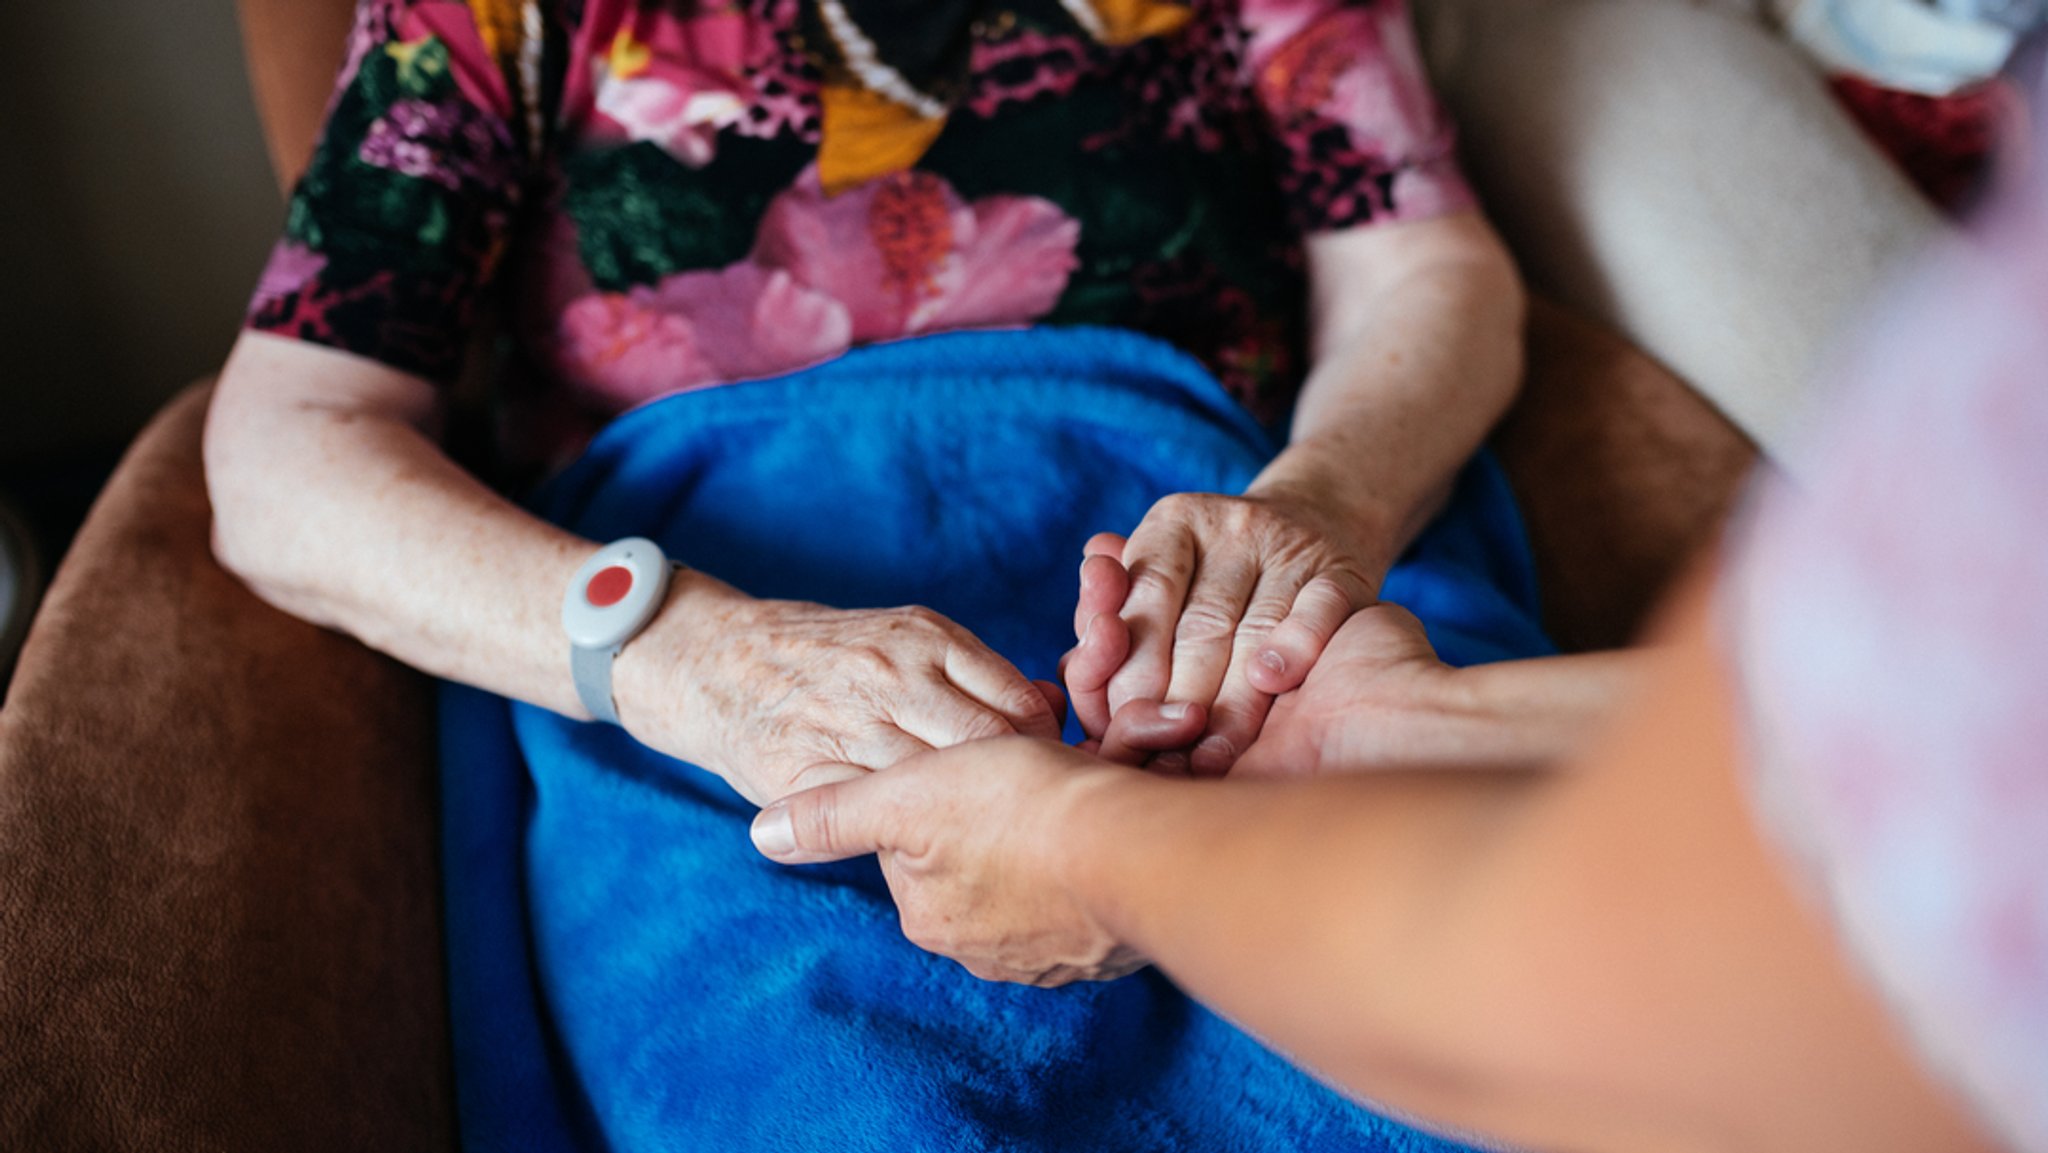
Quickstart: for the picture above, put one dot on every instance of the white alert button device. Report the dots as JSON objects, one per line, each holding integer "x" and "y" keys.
{"x": 609, "y": 600}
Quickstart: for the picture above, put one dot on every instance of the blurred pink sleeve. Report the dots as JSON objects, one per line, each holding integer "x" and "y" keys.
{"x": 1890, "y": 628}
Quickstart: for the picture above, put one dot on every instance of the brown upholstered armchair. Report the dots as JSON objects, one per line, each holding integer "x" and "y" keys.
{"x": 218, "y": 902}
{"x": 218, "y": 893}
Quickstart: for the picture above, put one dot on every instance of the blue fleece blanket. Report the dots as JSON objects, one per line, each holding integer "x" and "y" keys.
{"x": 626, "y": 973}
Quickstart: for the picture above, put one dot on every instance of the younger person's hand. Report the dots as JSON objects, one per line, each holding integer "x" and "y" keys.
{"x": 1376, "y": 700}
{"x": 973, "y": 841}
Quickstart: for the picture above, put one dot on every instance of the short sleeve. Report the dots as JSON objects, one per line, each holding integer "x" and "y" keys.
{"x": 399, "y": 221}
{"x": 1360, "y": 136}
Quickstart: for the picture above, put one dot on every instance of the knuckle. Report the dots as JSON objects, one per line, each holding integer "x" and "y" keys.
{"x": 1326, "y": 598}
{"x": 1233, "y": 720}
{"x": 1178, "y": 505}
{"x": 816, "y": 825}
{"x": 1261, "y": 618}
{"x": 1025, "y": 702}
{"x": 1203, "y": 622}
{"x": 980, "y": 726}
{"x": 1327, "y": 586}
{"x": 1155, "y": 578}
{"x": 1137, "y": 680}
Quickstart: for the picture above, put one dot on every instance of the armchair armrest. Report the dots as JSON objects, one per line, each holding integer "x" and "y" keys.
{"x": 219, "y": 902}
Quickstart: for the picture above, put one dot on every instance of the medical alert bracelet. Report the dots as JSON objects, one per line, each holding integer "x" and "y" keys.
{"x": 609, "y": 600}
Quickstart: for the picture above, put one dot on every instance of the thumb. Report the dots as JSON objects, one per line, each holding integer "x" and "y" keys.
{"x": 847, "y": 818}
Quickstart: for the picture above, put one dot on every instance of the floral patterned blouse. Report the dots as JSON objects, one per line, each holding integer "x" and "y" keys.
{"x": 677, "y": 193}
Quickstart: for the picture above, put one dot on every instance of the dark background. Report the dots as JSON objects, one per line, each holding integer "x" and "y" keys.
{"x": 136, "y": 208}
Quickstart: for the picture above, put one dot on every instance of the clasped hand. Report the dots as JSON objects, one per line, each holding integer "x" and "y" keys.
{"x": 1215, "y": 602}
{"x": 983, "y": 844}
{"x": 778, "y": 696}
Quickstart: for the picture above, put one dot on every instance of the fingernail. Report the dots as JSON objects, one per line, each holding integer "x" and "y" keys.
{"x": 1178, "y": 711}
{"x": 1175, "y": 764}
{"x": 1214, "y": 756}
{"x": 774, "y": 833}
{"x": 1089, "y": 629}
{"x": 1272, "y": 659}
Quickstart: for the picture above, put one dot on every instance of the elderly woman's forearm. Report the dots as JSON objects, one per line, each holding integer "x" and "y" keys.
{"x": 333, "y": 502}
{"x": 1418, "y": 352}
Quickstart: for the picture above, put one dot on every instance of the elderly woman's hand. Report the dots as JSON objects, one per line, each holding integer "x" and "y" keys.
{"x": 778, "y": 696}
{"x": 1228, "y": 601}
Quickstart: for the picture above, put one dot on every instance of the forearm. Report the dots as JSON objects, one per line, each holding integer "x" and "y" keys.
{"x": 333, "y": 503}
{"x": 1414, "y": 364}
{"x": 1511, "y": 715}
{"x": 1301, "y": 910}
{"x": 1606, "y": 957}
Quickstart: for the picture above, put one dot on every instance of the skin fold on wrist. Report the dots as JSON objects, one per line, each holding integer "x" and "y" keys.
{"x": 1306, "y": 476}
{"x": 653, "y": 675}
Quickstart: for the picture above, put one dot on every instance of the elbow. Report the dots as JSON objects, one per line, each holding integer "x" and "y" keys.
{"x": 247, "y": 485}
{"x": 238, "y": 510}
{"x": 1496, "y": 292}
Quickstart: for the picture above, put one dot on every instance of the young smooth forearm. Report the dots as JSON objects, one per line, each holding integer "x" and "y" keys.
{"x": 1510, "y": 715}
{"x": 1601, "y": 957}
{"x": 1418, "y": 350}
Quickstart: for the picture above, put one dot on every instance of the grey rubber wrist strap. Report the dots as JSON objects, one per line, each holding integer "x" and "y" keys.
{"x": 592, "y": 671}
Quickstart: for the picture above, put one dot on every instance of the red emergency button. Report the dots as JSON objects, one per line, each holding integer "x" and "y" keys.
{"x": 609, "y": 586}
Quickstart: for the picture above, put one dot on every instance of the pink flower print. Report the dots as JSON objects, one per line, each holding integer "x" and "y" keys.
{"x": 695, "y": 329}
{"x": 614, "y": 347}
{"x": 1356, "y": 67}
{"x": 1015, "y": 262}
{"x": 1270, "y": 24}
{"x": 753, "y": 321}
{"x": 904, "y": 254}
{"x": 291, "y": 267}
{"x": 450, "y": 143}
{"x": 676, "y": 82}
{"x": 683, "y": 123}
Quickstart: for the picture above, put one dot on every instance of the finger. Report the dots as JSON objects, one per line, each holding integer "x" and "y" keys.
{"x": 1104, "y": 585}
{"x": 997, "y": 685}
{"x": 878, "y": 747}
{"x": 1054, "y": 697}
{"x": 1207, "y": 632}
{"x": 1107, "y": 544}
{"x": 1239, "y": 710}
{"x": 1161, "y": 562}
{"x": 827, "y": 773}
{"x": 1234, "y": 723}
{"x": 1173, "y": 764}
{"x": 847, "y": 818}
{"x": 1089, "y": 666}
{"x": 944, "y": 717}
{"x": 1142, "y": 728}
{"x": 1294, "y": 646}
